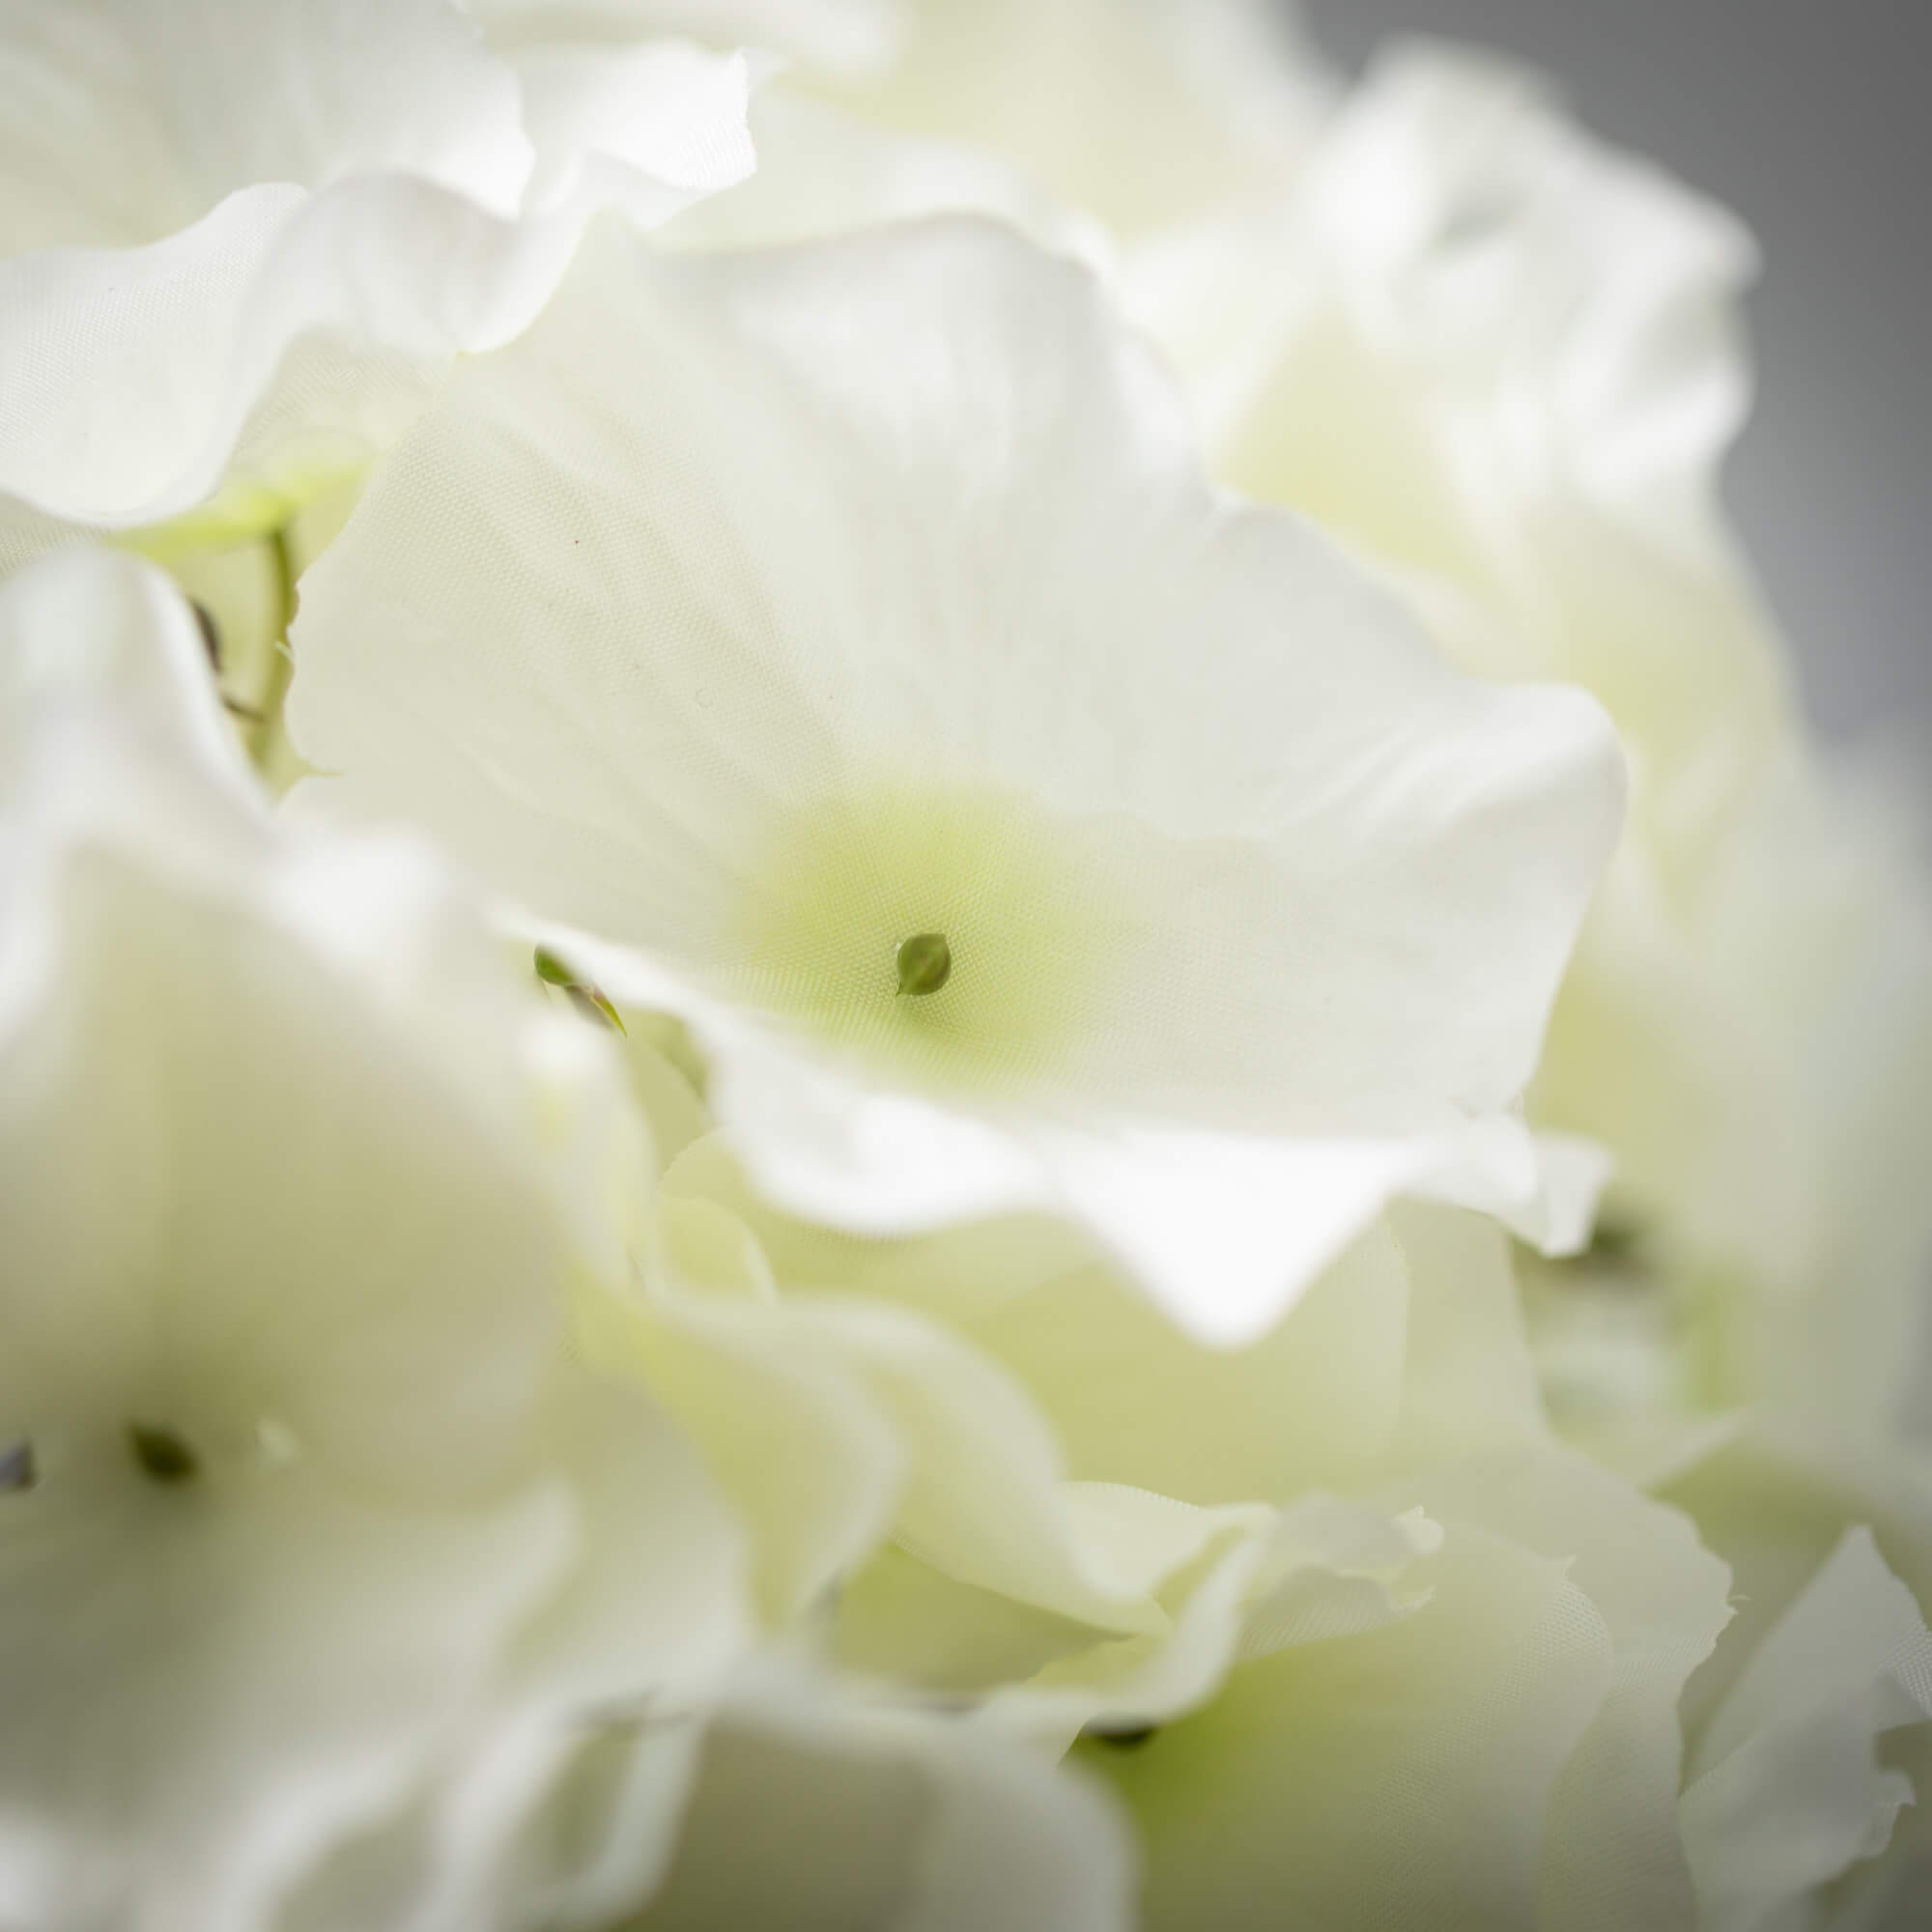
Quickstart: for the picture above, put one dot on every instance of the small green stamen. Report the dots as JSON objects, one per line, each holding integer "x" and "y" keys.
{"x": 582, "y": 995}
{"x": 924, "y": 963}
{"x": 211, "y": 633}
{"x": 162, "y": 1455}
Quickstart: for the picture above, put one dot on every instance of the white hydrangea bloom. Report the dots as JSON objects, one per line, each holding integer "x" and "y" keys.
{"x": 238, "y": 238}
{"x": 1401, "y": 1376}
{"x": 1504, "y": 361}
{"x": 768, "y": 613}
{"x": 308, "y": 1520}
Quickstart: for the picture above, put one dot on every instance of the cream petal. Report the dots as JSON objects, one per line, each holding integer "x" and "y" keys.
{"x": 1407, "y": 1350}
{"x": 237, "y": 1272}
{"x": 1612, "y": 1855}
{"x": 1312, "y": 1402}
{"x": 983, "y": 1500}
{"x": 664, "y": 1090}
{"x": 297, "y": 1176}
{"x": 212, "y": 95}
{"x": 1213, "y": 1225}
{"x": 139, "y": 371}
{"x": 85, "y": 161}
{"x": 303, "y": 1018}
{"x": 963, "y": 1274}
{"x": 806, "y": 1812}
{"x": 349, "y": 211}
{"x": 627, "y": 1653}
{"x": 90, "y": 626}
{"x": 283, "y": 91}
{"x": 1399, "y": 1774}
{"x": 814, "y": 1484}
{"x": 1115, "y": 1687}
{"x": 647, "y": 127}
{"x": 610, "y": 1824}
{"x": 972, "y": 1471}
{"x": 1469, "y": 1382}
{"x": 1504, "y": 361}
{"x": 831, "y": 35}
{"x": 1139, "y": 113}
{"x": 256, "y": 1673}
{"x": 1251, "y": 1583}
{"x": 1786, "y": 1791}
{"x": 1818, "y": 937}
{"x": 823, "y": 173}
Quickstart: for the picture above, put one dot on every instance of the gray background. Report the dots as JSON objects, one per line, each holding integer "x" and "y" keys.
{"x": 1813, "y": 119}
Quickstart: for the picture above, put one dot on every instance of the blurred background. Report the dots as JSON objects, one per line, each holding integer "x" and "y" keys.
{"x": 1813, "y": 119}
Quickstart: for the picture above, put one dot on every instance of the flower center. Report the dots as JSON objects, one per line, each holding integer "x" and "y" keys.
{"x": 858, "y": 914}
{"x": 162, "y": 1456}
{"x": 924, "y": 963}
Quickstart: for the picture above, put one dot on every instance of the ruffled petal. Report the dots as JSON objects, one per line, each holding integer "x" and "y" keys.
{"x": 1786, "y": 1791}
{"x": 353, "y": 204}
{"x": 1400, "y": 1774}
{"x": 810, "y": 1812}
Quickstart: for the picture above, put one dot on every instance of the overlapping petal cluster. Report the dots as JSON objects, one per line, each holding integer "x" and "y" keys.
{"x": 1019, "y": 743}
{"x": 239, "y": 244}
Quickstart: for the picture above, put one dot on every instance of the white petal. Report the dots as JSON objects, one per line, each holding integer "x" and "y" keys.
{"x": 807, "y": 1813}
{"x": 93, "y": 626}
{"x": 1504, "y": 361}
{"x": 1140, "y": 113}
{"x": 821, "y": 173}
{"x": 973, "y": 1473}
{"x": 1252, "y": 878}
{"x": 627, "y": 1653}
{"x": 1396, "y": 1776}
{"x": 220, "y": 96}
{"x": 983, "y": 1500}
{"x": 1256, "y": 1583}
{"x": 1214, "y": 1225}
{"x": 1311, "y": 1402}
{"x": 646, "y": 128}
{"x": 1612, "y": 1856}
{"x": 343, "y": 209}
{"x": 168, "y": 1030}
{"x": 1469, "y": 1382}
{"x": 835, "y": 35}
{"x": 1407, "y": 1350}
{"x": 1787, "y": 1790}
{"x": 294, "y": 1175}
{"x": 962, "y": 1274}
{"x": 304, "y": 1017}
{"x": 813, "y": 1483}
{"x": 253, "y": 1676}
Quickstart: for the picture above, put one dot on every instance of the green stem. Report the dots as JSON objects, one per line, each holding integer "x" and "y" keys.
{"x": 281, "y": 664}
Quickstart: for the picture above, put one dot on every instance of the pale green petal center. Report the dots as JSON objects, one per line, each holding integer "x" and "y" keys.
{"x": 962, "y": 933}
